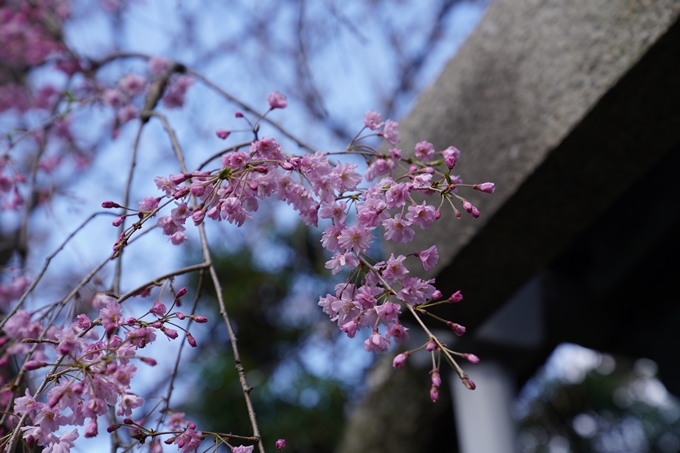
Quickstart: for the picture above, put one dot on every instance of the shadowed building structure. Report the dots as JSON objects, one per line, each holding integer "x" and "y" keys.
{"x": 573, "y": 109}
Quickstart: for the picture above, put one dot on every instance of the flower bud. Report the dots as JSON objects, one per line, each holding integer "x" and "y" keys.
{"x": 434, "y": 394}
{"x": 200, "y": 319}
{"x": 471, "y": 358}
{"x": 114, "y": 427}
{"x": 192, "y": 425}
{"x": 180, "y": 315}
{"x": 181, "y": 192}
{"x": 181, "y": 292}
{"x": 221, "y": 133}
{"x": 170, "y": 333}
{"x": 149, "y": 361}
{"x": 431, "y": 346}
{"x": 400, "y": 360}
{"x": 436, "y": 295}
{"x": 118, "y": 221}
{"x": 191, "y": 340}
{"x": 92, "y": 429}
{"x": 487, "y": 187}
{"x": 457, "y": 328}
{"x": 280, "y": 444}
{"x": 456, "y": 297}
{"x": 438, "y": 214}
{"x": 110, "y": 204}
{"x": 238, "y": 114}
{"x": 128, "y": 421}
{"x": 33, "y": 365}
{"x": 467, "y": 382}
{"x": 436, "y": 378}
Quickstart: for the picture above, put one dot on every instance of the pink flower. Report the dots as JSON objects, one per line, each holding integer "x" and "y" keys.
{"x": 242, "y": 449}
{"x": 277, "y": 101}
{"x": 340, "y": 260}
{"x": 148, "y": 204}
{"x": 373, "y": 120}
{"x": 390, "y": 132}
{"x": 111, "y": 316}
{"x": 422, "y": 215}
{"x": 398, "y": 230}
{"x": 128, "y": 402}
{"x": 157, "y": 64}
{"x": 398, "y": 332}
{"x": 424, "y": 150}
{"x": 376, "y": 343}
{"x": 132, "y": 84}
{"x": 355, "y": 239}
{"x": 280, "y": 444}
{"x": 395, "y": 268}
{"x": 429, "y": 257}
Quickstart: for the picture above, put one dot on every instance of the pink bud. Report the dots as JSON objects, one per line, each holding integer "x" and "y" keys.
{"x": 487, "y": 187}
{"x": 149, "y": 361}
{"x": 157, "y": 324}
{"x": 475, "y": 212}
{"x": 33, "y": 365}
{"x": 180, "y": 315}
{"x": 131, "y": 321}
{"x": 197, "y": 216}
{"x": 191, "y": 340}
{"x": 221, "y": 133}
{"x": 456, "y": 297}
{"x": 437, "y": 214}
{"x": 110, "y": 204}
{"x": 471, "y": 358}
{"x": 434, "y": 394}
{"x": 400, "y": 360}
{"x": 467, "y": 206}
{"x": 170, "y": 333}
{"x": 179, "y": 179}
{"x": 180, "y": 443}
{"x": 280, "y": 444}
{"x": 112, "y": 428}
{"x": 467, "y": 382}
{"x": 413, "y": 169}
{"x": 192, "y": 425}
{"x": 92, "y": 429}
{"x": 436, "y": 294}
{"x": 429, "y": 170}
{"x": 200, "y": 319}
{"x": 457, "y": 328}
{"x": 77, "y": 388}
{"x": 436, "y": 378}
{"x": 128, "y": 421}
{"x": 118, "y": 221}
{"x": 238, "y": 114}
{"x": 431, "y": 346}
{"x": 252, "y": 185}
{"x": 181, "y": 292}
{"x": 181, "y": 192}
{"x": 286, "y": 166}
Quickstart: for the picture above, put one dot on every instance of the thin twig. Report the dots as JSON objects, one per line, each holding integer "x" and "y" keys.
{"x": 126, "y": 201}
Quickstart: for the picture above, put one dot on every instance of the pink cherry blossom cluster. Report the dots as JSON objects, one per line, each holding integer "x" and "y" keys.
{"x": 374, "y": 294}
{"x": 92, "y": 366}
